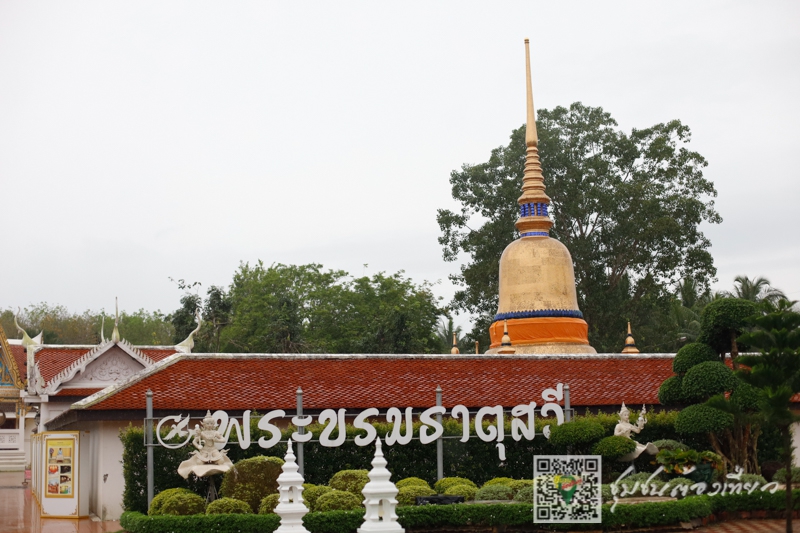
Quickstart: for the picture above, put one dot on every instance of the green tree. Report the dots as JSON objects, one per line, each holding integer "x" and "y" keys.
{"x": 775, "y": 373}
{"x": 757, "y": 290}
{"x": 723, "y": 320}
{"x": 627, "y": 206}
{"x": 289, "y": 308}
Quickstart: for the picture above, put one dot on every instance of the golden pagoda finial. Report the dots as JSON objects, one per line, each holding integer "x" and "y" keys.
{"x": 477, "y": 347}
{"x": 505, "y": 345}
{"x": 454, "y": 350}
{"x": 534, "y": 220}
{"x": 630, "y": 344}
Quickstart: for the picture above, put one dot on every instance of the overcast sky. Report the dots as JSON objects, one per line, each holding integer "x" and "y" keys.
{"x": 146, "y": 140}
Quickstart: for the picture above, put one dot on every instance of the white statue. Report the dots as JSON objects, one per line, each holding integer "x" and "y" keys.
{"x": 207, "y": 459}
{"x": 624, "y": 429}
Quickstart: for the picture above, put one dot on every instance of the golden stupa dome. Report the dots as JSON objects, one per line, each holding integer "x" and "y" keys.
{"x": 537, "y": 280}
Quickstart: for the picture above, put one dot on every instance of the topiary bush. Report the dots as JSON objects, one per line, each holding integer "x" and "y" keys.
{"x": 693, "y": 354}
{"x": 446, "y": 482}
{"x": 669, "y": 444}
{"x": 494, "y": 492}
{"x": 338, "y": 500}
{"x": 183, "y": 504}
{"x": 745, "y": 396}
{"x": 780, "y": 475}
{"x": 350, "y": 481}
{"x": 707, "y": 379}
{"x": 312, "y": 495}
{"x": 160, "y": 498}
{"x": 467, "y": 491}
{"x": 612, "y": 448}
{"x": 752, "y": 478}
{"x": 671, "y": 391}
{"x": 578, "y": 435}
{"x": 700, "y": 418}
{"x": 250, "y": 480}
{"x": 725, "y": 319}
{"x": 269, "y": 503}
{"x": 525, "y": 494}
{"x": 408, "y": 494}
{"x": 228, "y": 506}
{"x": 519, "y": 484}
{"x": 507, "y": 481}
{"x": 412, "y": 481}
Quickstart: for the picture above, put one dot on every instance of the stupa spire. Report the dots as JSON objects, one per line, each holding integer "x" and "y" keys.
{"x": 630, "y": 344}
{"x": 534, "y": 220}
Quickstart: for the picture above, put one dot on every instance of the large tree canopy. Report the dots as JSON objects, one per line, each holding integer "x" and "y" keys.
{"x": 302, "y": 308}
{"x": 627, "y": 205}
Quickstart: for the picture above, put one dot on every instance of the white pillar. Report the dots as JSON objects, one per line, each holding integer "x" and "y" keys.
{"x": 380, "y": 498}
{"x": 290, "y": 506}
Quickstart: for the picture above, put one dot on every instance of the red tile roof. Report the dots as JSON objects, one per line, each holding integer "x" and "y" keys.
{"x": 20, "y": 357}
{"x": 158, "y": 354}
{"x": 264, "y": 382}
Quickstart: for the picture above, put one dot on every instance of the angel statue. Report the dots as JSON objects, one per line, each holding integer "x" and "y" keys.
{"x": 624, "y": 429}
{"x": 207, "y": 459}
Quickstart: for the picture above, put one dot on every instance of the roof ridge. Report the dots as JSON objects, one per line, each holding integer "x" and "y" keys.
{"x": 147, "y": 359}
{"x": 73, "y": 368}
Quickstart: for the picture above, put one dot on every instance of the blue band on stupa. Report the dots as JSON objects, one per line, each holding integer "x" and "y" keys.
{"x": 537, "y": 209}
{"x": 535, "y": 234}
{"x": 541, "y": 313}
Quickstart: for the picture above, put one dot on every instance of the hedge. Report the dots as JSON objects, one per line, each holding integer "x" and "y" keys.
{"x": 692, "y": 354}
{"x": 705, "y": 380}
{"x": 475, "y": 459}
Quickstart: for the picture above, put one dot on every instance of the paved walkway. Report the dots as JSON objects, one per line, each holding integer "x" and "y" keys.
{"x": 19, "y": 512}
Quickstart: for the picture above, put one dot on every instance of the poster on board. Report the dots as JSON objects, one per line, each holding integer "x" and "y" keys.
{"x": 60, "y": 455}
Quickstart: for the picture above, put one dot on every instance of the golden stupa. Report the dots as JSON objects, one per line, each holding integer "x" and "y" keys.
{"x": 537, "y": 281}
{"x": 630, "y": 344}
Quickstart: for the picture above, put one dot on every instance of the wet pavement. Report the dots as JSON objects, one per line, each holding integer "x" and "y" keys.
{"x": 19, "y": 512}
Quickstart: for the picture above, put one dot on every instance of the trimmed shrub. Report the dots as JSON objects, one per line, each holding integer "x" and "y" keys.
{"x": 723, "y": 317}
{"x": 160, "y": 498}
{"x": 692, "y": 354}
{"x": 350, "y": 481}
{"x": 228, "y": 506}
{"x": 312, "y": 495}
{"x": 700, "y": 418}
{"x": 269, "y": 503}
{"x": 671, "y": 391}
{"x": 507, "y": 481}
{"x": 525, "y": 494}
{"x": 519, "y": 484}
{"x": 445, "y": 483}
{"x": 408, "y": 494}
{"x": 676, "y": 485}
{"x": 250, "y": 480}
{"x": 669, "y": 444}
{"x": 754, "y": 478}
{"x": 780, "y": 475}
{"x": 182, "y": 504}
{"x": 745, "y": 396}
{"x": 467, "y": 491}
{"x": 494, "y": 492}
{"x": 612, "y": 448}
{"x": 707, "y": 379}
{"x": 605, "y": 493}
{"x": 338, "y": 500}
{"x": 578, "y": 434}
{"x": 412, "y": 481}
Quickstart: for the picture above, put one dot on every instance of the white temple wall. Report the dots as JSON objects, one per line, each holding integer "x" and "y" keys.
{"x": 107, "y": 485}
{"x": 796, "y": 443}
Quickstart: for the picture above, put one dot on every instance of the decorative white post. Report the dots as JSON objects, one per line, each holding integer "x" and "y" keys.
{"x": 290, "y": 506}
{"x": 380, "y": 498}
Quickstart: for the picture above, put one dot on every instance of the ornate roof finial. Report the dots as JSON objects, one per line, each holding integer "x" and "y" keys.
{"x": 454, "y": 350}
{"x": 534, "y": 220}
{"x": 477, "y": 347}
{"x": 630, "y": 344}
{"x": 115, "y": 334}
{"x": 187, "y": 345}
{"x": 102, "y": 329}
{"x": 26, "y": 339}
{"x": 505, "y": 345}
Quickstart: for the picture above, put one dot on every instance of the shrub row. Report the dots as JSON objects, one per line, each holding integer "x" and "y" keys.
{"x": 475, "y": 459}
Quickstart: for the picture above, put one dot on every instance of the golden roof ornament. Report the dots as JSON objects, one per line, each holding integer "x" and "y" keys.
{"x": 537, "y": 293}
{"x": 454, "y": 350}
{"x": 630, "y": 344}
{"x": 506, "y": 347}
